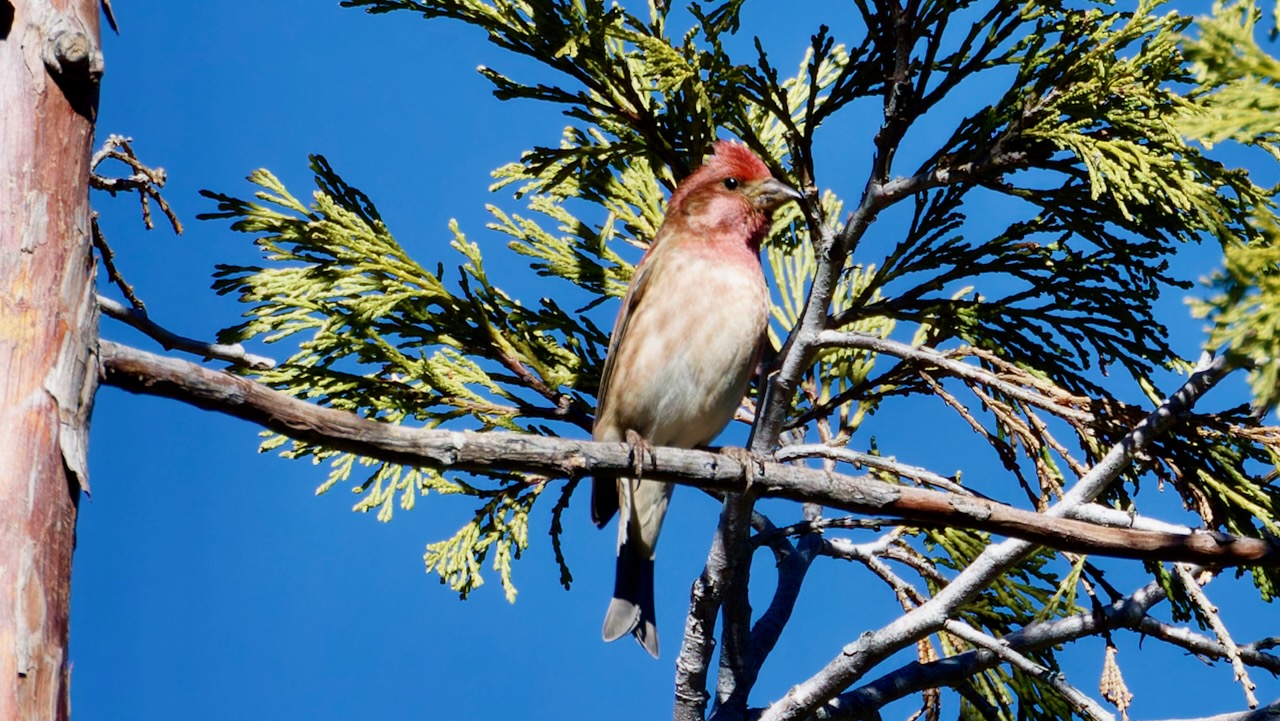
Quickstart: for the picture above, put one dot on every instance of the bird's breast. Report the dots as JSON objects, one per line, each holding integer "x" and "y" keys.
{"x": 689, "y": 350}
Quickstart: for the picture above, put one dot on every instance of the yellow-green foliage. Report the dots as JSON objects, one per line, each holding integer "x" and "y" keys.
{"x": 1246, "y": 312}
{"x": 1239, "y": 90}
{"x": 1089, "y": 166}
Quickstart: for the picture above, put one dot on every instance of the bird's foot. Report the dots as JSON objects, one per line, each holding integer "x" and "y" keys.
{"x": 752, "y": 465}
{"x": 639, "y": 449}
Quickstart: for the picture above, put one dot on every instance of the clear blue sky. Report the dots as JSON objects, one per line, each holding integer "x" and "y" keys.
{"x": 210, "y": 583}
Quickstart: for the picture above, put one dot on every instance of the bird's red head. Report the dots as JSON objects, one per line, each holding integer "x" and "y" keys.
{"x": 732, "y": 192}
{"x": 730, "y": 163}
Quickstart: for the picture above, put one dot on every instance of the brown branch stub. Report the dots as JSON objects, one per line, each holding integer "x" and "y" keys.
{"x": 110, "y": 15}
{"x": 142, "y": 372}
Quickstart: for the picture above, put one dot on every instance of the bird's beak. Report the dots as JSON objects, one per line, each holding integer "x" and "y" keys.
{"x": 770, "y": 193}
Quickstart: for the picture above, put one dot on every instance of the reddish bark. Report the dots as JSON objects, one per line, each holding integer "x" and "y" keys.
{"x": 49, "y": 68}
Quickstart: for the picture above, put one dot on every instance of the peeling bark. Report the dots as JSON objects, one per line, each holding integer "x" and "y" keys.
{"x": 49, "y": 70}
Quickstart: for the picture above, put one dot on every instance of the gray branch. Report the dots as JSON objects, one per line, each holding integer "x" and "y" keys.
{"x": 497, "y": 452}
{"x": 1210, "y": 612}
{"x": 1056, "y": 681}
{"x": 1254, "y": 654}
{"x": 960, "y": 369}
{"x": 916, "y": 676}
{"x": 234, "y": 354}
{"x": 493, "y": 452}
{"x": 1270, "y": 712}
{"x": 915, "y": 473}
{"x": 856, "y": 658}
{"x": 1128, "y": 613}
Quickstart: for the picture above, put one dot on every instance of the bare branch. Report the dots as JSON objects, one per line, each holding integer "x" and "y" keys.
{"x": 846, "y": 550}
{"x": 137, "y": 317}
{"x": 108, "y": 257}
{"x": 1192, "y": 585}
{"x": 1130, "y": 612}
{"x": 960, "y": 369}
{"x": 1262, "y": 644}
{"x": 792, "y": 570}
{"x": 916, "y": 676}
{"x": 1254, "y": 654}
{"x": 704, "y": 605}
{"x": 872, "y": 648}
{"x": 794, "y": 562}
{"x": 1073, "y": 695}
{"x": 487, "y": 452}
{"x": 737, "y": 669}
{"x": 882, "y": 463}
{"x": 1105, "y": 516}
{"x": 144, "y": 180}
{"x": 1270, "y": 712}
{"x": 869, "y": 554}
{"x": 767, "y": 538}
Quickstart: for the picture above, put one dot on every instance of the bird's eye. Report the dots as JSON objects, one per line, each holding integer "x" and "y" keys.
{"x": 731, "y": 183}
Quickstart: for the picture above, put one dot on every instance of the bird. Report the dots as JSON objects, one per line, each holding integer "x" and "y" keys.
{"x": 683, "y": 349}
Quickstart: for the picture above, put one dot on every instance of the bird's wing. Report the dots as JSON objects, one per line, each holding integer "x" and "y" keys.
{"x": 604, "y": 493}
{"x": 635, "y": 293}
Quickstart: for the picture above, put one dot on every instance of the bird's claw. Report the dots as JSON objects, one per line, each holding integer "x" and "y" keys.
{"x": 752, "y": 465}
{"x": 639, "y": 449}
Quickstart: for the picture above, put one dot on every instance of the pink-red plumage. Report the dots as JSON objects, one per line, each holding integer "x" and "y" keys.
{"x": 683, "y": 348}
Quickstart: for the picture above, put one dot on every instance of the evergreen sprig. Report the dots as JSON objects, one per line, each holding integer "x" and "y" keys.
{"x": 1037, "y": 242}
{"x": 388, "y": 339}
{"x": 1239, "y": 91}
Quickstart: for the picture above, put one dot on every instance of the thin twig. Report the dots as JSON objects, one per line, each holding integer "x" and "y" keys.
{"x": 109, "y": 261}
{"x": 1201, "y": 645}
{"x": 137, "y": 317}
{"x": 929, "y": 356}
{"x": 882, "y": 463}
{"x": 869, "y": 554}
{"x": 145, "y": 181}
{"x": 1055, "y": 680}
{"x": 818, "y": 525}
{"x": 737, "y": 668}
{"x": 1210, "y": 613}
{"x": 1007, "y": 455}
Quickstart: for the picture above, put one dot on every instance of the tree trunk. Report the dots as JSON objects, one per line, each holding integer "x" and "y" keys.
{"x": 49, "y": 69}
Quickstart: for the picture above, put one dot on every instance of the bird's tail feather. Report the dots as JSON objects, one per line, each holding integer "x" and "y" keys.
{"x": 632, "y": 608}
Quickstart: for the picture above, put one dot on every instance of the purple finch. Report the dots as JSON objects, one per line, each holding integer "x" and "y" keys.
{"x": 683, "y": 349}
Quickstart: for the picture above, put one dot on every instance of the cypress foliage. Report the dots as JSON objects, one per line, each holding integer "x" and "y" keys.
{"x": 1032, "y": 241}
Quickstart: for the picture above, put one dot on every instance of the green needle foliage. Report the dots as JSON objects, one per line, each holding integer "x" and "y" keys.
{"x": 1238, "y": 89}
{"x": 1032, "y": 243}
{"x": 387, "y": 339}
